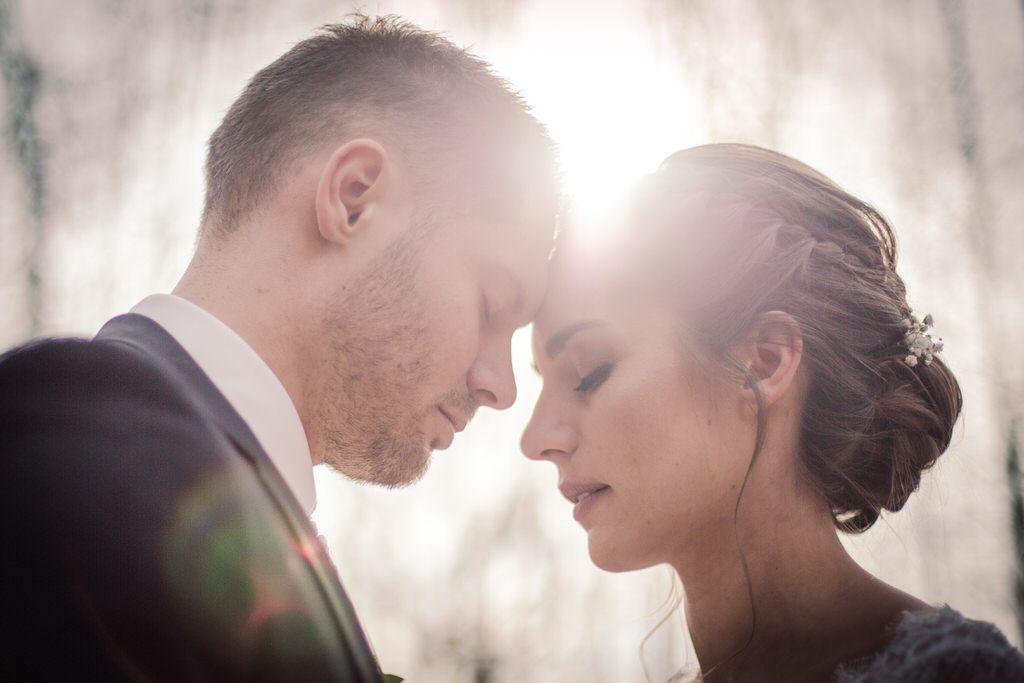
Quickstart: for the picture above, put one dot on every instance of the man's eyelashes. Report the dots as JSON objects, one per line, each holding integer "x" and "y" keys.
{"x": 485, "y": 309}
{"x": 595, "y": 378}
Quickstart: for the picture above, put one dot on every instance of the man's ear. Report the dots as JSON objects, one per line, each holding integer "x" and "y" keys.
{"x": 772, "y": 354}
{"x": 351, "y": 185}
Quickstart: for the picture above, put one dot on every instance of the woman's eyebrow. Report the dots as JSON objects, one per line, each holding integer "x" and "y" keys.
{"x": 558, "y": 340}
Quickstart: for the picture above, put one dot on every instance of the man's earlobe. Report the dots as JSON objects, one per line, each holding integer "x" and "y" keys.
{"x": 351, "y": 185}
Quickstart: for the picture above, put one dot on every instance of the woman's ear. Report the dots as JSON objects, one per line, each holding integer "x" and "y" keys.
{"x": 351, "y": 185}
{"x": 772, "y": 354}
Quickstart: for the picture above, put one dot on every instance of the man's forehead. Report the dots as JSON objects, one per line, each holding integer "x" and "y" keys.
{"x": 529, "y": 258}
{"x": 532, "y": 226}
{"x": 524, "y": 239}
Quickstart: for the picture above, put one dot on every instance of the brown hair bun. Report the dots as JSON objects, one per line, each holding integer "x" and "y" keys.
{"x": 871, "y": 423}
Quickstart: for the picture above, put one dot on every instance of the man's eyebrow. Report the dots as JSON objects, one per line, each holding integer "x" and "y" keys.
{"x": 558, "y": 340}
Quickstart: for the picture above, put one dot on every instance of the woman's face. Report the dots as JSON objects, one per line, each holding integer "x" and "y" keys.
{"x": 650, "y": 452}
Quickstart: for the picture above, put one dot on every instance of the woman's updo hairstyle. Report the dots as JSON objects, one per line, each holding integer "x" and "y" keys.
{"x": 765, "y": 232}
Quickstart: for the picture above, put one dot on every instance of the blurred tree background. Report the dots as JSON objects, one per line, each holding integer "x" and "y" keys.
{"x": 478, "y": 574}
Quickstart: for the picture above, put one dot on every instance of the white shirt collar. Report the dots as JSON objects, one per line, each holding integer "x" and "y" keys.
{"x": 246, "y": 381}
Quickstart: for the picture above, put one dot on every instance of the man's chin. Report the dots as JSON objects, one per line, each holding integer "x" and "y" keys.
{"x": 393, "y": 469}
{"x": 406, "y": 477}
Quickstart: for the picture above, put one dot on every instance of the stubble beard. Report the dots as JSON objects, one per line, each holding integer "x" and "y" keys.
{"x": 371, "y": 428}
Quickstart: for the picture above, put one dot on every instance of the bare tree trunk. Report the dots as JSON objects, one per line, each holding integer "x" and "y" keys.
{"x": 981, "y": 237}
{"x": 1017, "y": 523}
{"x": 22, "y": 79}
{"x": 982, "y": 241}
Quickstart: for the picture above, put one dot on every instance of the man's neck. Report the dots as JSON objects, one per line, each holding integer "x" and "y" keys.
{"x": 249, "y": 307}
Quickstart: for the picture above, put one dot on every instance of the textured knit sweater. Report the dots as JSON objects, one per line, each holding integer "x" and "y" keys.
{"x": 936, "y": 647}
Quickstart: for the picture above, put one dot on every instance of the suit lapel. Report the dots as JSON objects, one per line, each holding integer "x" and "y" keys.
{"x": 327, "y": 576}
{"x": 151, "y": 339}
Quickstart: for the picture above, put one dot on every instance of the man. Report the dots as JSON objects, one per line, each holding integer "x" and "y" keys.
{"x": 378, "y": 217}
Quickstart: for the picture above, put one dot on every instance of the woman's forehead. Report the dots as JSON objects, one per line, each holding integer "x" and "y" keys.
{"x": 598, "y": 302}
{"x": 573, "y": 292}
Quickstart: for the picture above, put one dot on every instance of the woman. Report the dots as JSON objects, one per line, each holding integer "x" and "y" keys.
{"x": 738, "y": 381}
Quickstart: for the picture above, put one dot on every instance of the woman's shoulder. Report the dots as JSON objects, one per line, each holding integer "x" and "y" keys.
{"x": 939, "y": 645}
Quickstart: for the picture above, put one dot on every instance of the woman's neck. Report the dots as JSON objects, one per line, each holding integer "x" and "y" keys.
{"x": 779, "y": 598}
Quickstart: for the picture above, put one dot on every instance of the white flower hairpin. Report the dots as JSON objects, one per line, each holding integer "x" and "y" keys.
{"x": 921, "y": 345}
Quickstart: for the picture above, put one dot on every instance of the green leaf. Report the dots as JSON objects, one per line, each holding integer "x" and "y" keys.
{"x": 391, "y": 678}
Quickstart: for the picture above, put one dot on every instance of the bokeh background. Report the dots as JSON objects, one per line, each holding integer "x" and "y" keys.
{"x": 478, "y": 574}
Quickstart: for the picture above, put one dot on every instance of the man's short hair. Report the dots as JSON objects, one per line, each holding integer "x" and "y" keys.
{"x": 436, "y": 106}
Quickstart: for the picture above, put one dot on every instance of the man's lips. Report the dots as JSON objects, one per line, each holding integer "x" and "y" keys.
{"x": 458, "y": 422}
{"x": 575, "y": 491}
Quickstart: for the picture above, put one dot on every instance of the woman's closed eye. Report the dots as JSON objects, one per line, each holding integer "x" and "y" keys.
{"x": 594, "y": 379}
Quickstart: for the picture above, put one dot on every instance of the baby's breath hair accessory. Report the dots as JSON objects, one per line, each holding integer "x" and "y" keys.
{"x": 921, "y": 345}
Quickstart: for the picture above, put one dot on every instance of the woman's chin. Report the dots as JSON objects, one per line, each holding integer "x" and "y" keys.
{"x": 612, "y": 557}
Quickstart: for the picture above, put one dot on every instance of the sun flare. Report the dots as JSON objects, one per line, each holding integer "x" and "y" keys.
{"x": 615, "y": 108}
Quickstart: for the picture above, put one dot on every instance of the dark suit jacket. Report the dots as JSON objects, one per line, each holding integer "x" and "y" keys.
{"x": 145, "y": 533}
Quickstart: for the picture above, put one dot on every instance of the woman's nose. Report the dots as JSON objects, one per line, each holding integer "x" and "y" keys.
{"x": 547, "y": 435}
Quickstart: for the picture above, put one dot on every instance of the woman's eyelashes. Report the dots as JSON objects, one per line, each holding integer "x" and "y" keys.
{"x": 594, "y": 379}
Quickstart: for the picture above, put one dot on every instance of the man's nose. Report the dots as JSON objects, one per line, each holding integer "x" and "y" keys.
{"x": 491, "y": 380}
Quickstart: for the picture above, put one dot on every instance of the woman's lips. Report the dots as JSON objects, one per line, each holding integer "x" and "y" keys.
{"x": 583, "y": 495}
{"x": 586, "y": 502}
{"x": 573, "y": 489}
